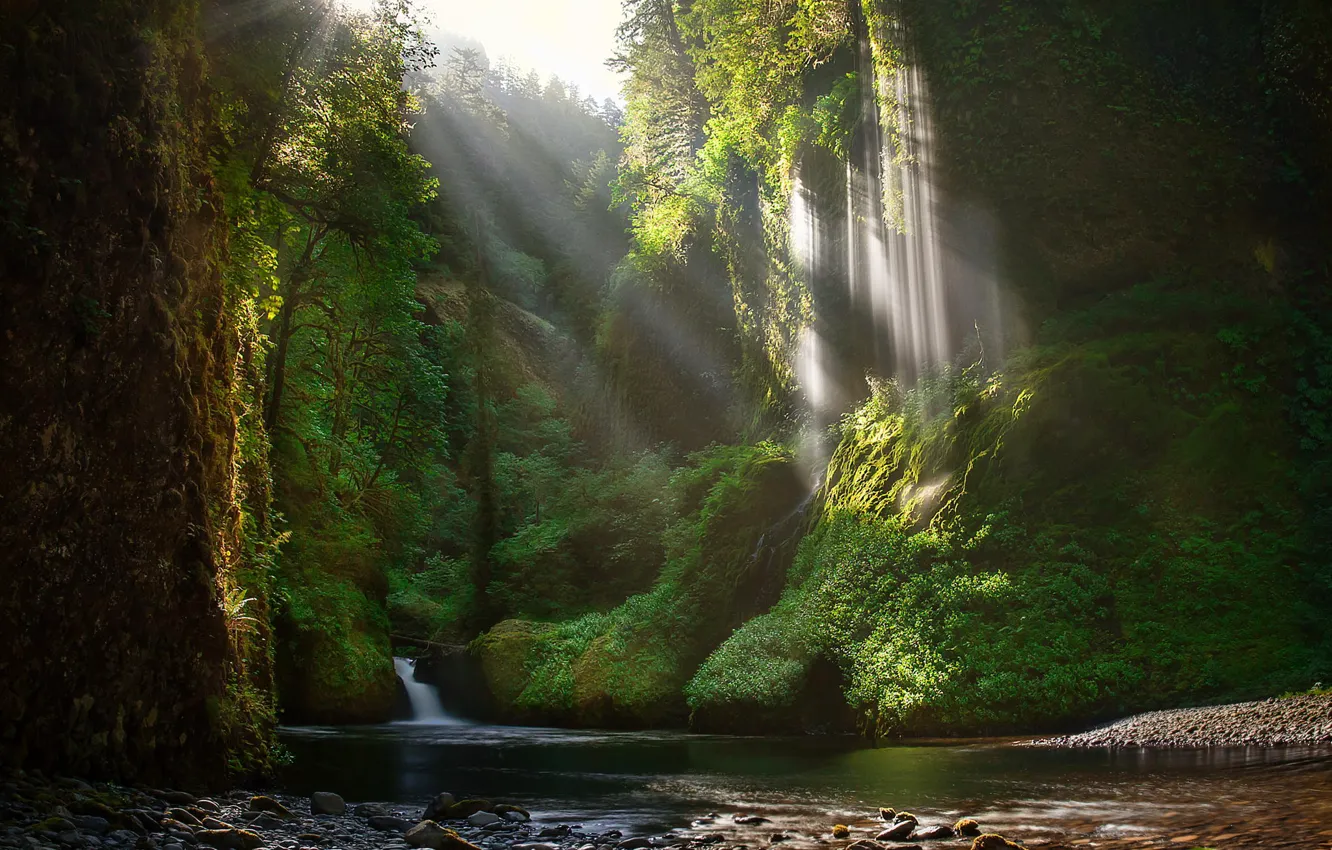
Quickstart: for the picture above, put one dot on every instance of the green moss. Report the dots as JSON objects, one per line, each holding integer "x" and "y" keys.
{"x": 629, "y": 666}
{"x": 1086, "y": 533}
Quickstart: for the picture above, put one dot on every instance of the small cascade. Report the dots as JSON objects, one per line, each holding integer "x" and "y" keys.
{"x": 424, "y": 698}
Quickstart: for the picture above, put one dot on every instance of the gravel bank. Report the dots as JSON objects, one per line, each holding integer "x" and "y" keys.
{"x": 1290, "y": 722}
{"x": 69, "y": 814}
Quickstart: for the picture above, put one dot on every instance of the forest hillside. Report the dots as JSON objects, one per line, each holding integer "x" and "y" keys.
{"x": 888, "y": 366}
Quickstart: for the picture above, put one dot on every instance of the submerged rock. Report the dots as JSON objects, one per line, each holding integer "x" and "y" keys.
{"x": 899, "y": 831}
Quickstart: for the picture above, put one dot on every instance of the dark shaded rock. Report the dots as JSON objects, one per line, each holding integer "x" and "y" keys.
{"x": 905, "y": 816}
{"x": 436, "y": 809}
{"x": 208, "y": 805}
{"x": 179, "y": 798}
{"x": 899, "y": 831}
{"x": 508, "y": 808}
{"x": 184, "y": 816}
{"x": 634, "y": 844}
{"x": 841, "y": 830}
{"x": 389, "y": 823}
{"x": 993, "y": 841}
{"x": 887, "y": 813}
{"x": 556, "y": 831}
{"x": 327, "y": 803}
{"x": 370, "y": 810}
{"x": 92, "y": 823}
{"x": 864, "y": 844}
{"x": 262, "y": 803}
{"x": 214, "y": 823}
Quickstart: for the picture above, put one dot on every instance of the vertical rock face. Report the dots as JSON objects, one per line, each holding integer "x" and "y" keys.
{"x": 112, "y": 441}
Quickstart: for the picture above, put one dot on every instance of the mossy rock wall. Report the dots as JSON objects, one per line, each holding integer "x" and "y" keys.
{"x": 117, "y": 430}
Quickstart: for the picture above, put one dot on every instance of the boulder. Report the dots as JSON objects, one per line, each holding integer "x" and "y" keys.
{"x": 934, "y": 832}
{"x": 509, "y": 808}
{"x": 841, "y": 830}
{"x": 968, "y": 827}
{"x": 436, "y": 809}
{"x": 369, "y": 810}
{"x": 429, "y": 834}
{"x": 389, "y": 823}
{"x": 483, "y": 818}
{"x": 899, "y": 831}
{"x": 905, "y": 816}
{"x": 993, "y": 841}
{"x": 208, "y": 805}
{"x": 634, "y": 844}
{"x": 864, "y": 844}
{"x": 887, "y": 813}
{"x": 327, "y": 803}
{"x": 268, "y": 804}
{"x": 517, "y": 817}
{"x": 184, "y": 816}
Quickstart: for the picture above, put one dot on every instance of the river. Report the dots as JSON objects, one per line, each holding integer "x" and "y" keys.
{"x": 651, "y": 782}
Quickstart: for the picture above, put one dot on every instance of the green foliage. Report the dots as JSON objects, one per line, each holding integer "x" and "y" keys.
{"x": 1009, "y": 551}
{"x": 629, "y": 665}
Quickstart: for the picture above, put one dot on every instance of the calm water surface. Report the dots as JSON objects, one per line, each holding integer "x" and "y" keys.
{"x": 646, "y": 782}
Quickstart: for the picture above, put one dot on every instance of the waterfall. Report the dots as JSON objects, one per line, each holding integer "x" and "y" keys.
{"x": 424, "y": 698}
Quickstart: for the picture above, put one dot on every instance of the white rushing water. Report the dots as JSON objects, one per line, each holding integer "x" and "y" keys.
{"x": 426, "y": 708}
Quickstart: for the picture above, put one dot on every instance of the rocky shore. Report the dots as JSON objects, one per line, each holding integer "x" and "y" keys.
{"x": 69, "y": 814}
{"x": 1304, "y": 720}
